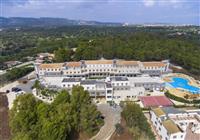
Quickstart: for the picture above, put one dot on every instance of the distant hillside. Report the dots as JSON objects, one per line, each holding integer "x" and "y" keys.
{"x": 41, "y": 22}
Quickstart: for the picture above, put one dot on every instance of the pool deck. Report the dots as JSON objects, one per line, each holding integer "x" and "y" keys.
{"x": 191, "y": 80}
{"x": 181, "y": 92}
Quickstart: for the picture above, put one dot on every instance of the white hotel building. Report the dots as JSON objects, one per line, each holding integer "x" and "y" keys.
{"x": 119, "y": 76}
{"x": 101, "y": 68}
{"x": 175, "y": 124}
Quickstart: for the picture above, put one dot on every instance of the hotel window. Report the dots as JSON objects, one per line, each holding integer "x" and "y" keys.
{"x": 63, "y": 85}
{"x": 174, "y": 137}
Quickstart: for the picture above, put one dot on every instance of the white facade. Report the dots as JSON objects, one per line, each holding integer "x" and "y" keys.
{"x": 172, "y": 124}
{"x": 112, "y": 88}
{"x": 70, "y": 82}
{"x": 128, "y": 95}
{"x": 101, "y": 68}
{"x": 96, "y": 88}
{"x": 119, "y": 83}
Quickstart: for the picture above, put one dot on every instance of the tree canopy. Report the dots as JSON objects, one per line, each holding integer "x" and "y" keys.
{"x": 138, "y": 43}
{"x": 62, "y": 55}
{"x": 32, "y": 119}
{"x": 137, "y": 122}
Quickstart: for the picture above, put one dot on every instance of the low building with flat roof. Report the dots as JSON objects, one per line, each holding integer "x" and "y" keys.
{"x": 112, "y": 88}
{"x": 148, "y": 82}
{"x": 172, "y": 123}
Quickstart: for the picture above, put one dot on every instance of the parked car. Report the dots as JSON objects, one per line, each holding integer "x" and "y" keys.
{"x": 16, "y": 89}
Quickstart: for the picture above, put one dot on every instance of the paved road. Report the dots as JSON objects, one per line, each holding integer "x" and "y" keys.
{"x": 2, "y": 72}
{"x": 23, "y": 64}
{"x": 112, "y": 116}
{"x": 17, "y": 66}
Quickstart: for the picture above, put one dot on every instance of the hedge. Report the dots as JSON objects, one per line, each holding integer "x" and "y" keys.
{"x": 179, "y": 99}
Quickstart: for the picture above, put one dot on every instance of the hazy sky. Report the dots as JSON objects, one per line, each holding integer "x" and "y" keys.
{"x": 132, "y": 11}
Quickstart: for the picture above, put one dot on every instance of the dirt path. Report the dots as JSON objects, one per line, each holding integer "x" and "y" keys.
{"x": 4, "y": 127}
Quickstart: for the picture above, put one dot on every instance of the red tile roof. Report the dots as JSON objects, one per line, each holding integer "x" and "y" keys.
{"x": 155, "y": 101}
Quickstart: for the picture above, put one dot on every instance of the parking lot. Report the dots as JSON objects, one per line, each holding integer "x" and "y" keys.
{"x": 27, "y": 88}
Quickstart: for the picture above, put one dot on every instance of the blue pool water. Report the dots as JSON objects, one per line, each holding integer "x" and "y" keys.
{"x": 183, "y": 83}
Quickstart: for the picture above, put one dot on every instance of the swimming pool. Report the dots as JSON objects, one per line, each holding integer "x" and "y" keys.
{"x": 183, "y": 83}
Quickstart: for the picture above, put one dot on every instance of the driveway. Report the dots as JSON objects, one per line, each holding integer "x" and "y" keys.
{"x": 112, "y": 117}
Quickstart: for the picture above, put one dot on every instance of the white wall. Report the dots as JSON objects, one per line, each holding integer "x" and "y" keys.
{"x": 69, "y": 84}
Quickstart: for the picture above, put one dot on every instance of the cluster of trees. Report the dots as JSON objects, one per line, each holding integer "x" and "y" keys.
{"x": 64, "y": 118}
{"x": 144, "y": 47}
{"x": 145, "y": 44}
{"x": 15, "y": 74}
{"x": 63, "y": 55}
{"x": 137, "y": 122}
{"x": 139, "y": 46}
